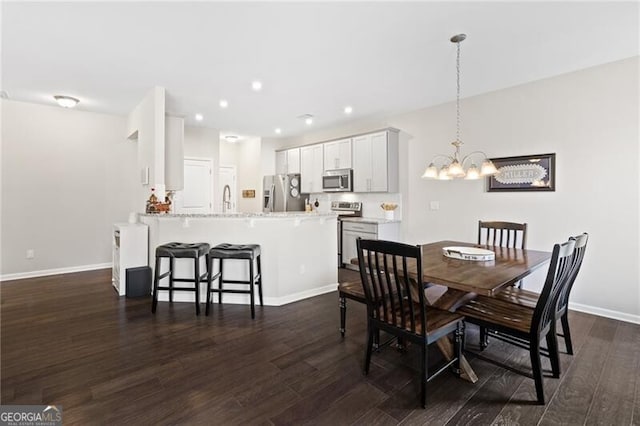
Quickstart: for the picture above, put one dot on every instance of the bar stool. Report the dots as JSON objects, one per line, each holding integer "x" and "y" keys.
{"x": 179, "y": 251}
{"x": 248, "y": 252}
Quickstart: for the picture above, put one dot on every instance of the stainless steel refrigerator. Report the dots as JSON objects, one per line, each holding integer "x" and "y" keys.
{"x": 281, "y": 193}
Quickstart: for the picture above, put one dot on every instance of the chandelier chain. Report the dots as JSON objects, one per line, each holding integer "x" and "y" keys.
{"x": 458, "y": 94}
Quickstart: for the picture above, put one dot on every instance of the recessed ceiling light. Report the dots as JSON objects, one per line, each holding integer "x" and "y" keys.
{"x": 256, "y": 85}
{"x": 223, "y": 103}
{"x": 66, "y": 101}
{"x": 199, "y": 117}
{"x": 231, "y": 138}
{"x": 278, "y": 130}
{"x": 308, "y": 120}
{"x": 348, "y": 110}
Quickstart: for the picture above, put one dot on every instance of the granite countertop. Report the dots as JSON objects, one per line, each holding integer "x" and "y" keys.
{"x": 376, "y": 220}
{"x": 276, "y": 215}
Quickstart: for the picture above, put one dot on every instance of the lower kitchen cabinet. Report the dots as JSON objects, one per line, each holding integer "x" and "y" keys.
{"x": 351, "y": 231}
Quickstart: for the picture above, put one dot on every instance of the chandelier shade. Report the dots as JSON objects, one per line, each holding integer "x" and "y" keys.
{"x": 455, "y": 166}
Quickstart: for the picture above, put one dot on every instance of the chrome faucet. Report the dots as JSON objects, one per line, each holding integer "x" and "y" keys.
{"x": 226, "y": 198}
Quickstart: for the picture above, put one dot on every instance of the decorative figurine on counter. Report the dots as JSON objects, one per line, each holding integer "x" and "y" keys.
{"x": 151, "y": 202}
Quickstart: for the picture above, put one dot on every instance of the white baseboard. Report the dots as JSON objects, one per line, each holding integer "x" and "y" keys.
{"x": 57, "y": 271}
{"x": 243, "y": 299}
{"x": 607, "y": 313}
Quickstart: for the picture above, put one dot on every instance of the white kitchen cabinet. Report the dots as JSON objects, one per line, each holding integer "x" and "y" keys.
{"x": 351, "y": 231}
{"x": 311, "y": 168}
{"x": 337, "y": 155}
{"x": 375, "y": 162}
{"x": 130, "y": 245}
{"x": 288, "y": 161}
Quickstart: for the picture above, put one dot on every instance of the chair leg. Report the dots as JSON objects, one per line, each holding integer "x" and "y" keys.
{"x": 536, "y": 366}
{"x": 156, "y": 282}
{"x": 458, "y": 346}
{"x": 252, "y": 291}
{"x": 220, "y": 280}
{"x": 343, "y": 315}
{"x": 196, "y": 281}
{"x": 259, "y": 280}
{"x": 484, "y": 338}
{"x": 171, "y": 269}
{"x": 424, "y": 374}
{"x": 367, "y": 357}
{"x": 554, "y": 358}
{"x": 564, "y": 319}
{"x": 209, "y": 277}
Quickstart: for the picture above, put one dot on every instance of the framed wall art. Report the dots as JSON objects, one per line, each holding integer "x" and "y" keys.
{"x": 524, "y": 173}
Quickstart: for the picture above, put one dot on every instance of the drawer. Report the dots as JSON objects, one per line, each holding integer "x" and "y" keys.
{"x": 370, "y": 228}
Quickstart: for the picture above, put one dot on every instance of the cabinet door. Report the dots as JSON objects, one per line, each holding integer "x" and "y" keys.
{"x": 281, "y": 162}
{"x": 344, "y": 154}
{"x": 378, "y": 182}
{"x": 362, "y": 163}
{"x": 311, "y": 168}
{"x": 293, "y": 160}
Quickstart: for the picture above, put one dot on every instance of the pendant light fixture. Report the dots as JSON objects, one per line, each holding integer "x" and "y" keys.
{"x": 454, "y": 166}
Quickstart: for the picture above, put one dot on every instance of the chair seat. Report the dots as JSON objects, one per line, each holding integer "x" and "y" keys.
{"x": 518, "y": 296}
{"x": 235, "y": 251}
{"x": 352, "y": 290}
{"x": 499, "y": 312}
{"x": 182, "y": 250}
{"x": 437, "y": 319}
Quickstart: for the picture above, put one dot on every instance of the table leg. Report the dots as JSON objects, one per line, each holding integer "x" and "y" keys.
{"x": 450, "y": 300}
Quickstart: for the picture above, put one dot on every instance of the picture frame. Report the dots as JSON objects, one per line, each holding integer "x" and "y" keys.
{"x": 523, "y": 174}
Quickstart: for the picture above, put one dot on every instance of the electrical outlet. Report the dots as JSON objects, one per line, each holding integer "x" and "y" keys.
{"x": 31, "y": 254}
{"x": 434, "y": 205}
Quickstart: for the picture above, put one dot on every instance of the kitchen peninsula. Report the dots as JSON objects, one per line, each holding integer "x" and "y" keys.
{"x": 298, "y": 250}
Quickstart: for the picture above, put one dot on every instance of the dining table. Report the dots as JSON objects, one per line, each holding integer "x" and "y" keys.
{"x": 450, "y": 282}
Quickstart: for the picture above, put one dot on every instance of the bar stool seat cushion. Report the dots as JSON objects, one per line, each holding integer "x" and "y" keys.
{"x": 235, "y": 251}
{"x": 182, "y": 250}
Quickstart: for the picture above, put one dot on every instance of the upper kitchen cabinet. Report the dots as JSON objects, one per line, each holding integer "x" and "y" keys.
{"x": 288, "y": 161}
{"x": 337, "y": 155}
{"x": 375, "y": 162}
{"x": 311, "y": 168}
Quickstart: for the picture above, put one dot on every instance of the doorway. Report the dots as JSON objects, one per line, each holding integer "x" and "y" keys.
{"x": 227, "y": 176}
{"x": 197, "y": 195}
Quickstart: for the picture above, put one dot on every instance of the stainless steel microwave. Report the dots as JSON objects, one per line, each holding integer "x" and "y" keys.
{"x": 337, "y": 180}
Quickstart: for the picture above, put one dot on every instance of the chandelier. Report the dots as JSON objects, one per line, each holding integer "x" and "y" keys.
{"x": 455, "y": 166}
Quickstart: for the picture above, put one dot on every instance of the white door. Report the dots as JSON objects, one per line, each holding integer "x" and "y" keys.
{"x": 378, "y": 181}
{"x": 362, "y": 163}
{"x": 197, "y": 195}
{"x": 228, "y": 177}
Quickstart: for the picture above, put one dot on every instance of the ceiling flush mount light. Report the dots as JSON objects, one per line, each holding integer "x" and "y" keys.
{"x": 308, "y": 118}
{"x": 454, "y": 166}
{"x": 231, "y": 138}
{"x": 223, "y": 103}
{"x": 66, "y": 101}
{"x": 256, "y": 85}
{"x": 348, "y": 110}
{"x": 278, "y": 130}
{"x": 199, "y": 117}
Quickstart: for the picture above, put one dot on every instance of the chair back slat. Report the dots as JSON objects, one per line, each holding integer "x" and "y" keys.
{"x": 578, "y": 256}
{"x": 557, "y": 276}
{"x": 502, "y": 234}
{"x": 393, "y": 296}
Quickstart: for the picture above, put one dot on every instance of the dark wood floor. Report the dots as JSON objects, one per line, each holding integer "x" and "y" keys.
{"x": 69, "y": 340}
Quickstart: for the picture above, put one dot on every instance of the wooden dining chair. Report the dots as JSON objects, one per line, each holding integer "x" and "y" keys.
{"x": 502, "y": 234}
{"x": 527, "y": 327}
{"x": 530, "y": 299}
{"x": 397, "y": 305}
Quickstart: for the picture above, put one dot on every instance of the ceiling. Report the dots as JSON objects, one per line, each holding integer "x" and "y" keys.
{"x": 312, "y": 58}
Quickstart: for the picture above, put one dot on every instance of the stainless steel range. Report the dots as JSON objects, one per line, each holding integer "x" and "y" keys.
{"x": 345, "y": 209}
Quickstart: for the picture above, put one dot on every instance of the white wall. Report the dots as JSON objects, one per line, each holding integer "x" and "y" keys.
{"x": 589, "y": 119}
{"x": 66, "y": 178}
